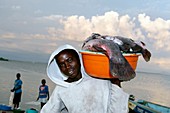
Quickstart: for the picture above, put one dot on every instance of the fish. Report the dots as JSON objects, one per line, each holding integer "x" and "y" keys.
{"x": 118, "y": 65}
{"x": 126, "y": 45}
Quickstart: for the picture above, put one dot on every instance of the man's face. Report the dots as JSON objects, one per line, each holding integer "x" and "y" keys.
{"x": 68, "y": 64}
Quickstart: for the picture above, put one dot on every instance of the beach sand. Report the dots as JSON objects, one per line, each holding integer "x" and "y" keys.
{"x": 148, "y": 86}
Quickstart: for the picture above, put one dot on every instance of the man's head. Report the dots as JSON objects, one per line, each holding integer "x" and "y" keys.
{"x": 18, "y": 75}
{"x": 43, "y": 81}
{"x": 69, "y": 64}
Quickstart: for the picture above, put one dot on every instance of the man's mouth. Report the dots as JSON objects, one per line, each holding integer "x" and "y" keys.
{"x": 70, "y": 72}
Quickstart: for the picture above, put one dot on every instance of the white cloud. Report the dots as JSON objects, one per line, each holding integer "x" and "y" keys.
{"x": 15, "y": 7}
{"x": 52, "y": 31}
{"x": 52, "y": 17}
{"x": 77, "y": 28}
{"x": 155, "y": 33}
{"x": 111, "y": 23}
{"x": 162, "y": 62}
{"x": 8, "y": 36}
{"x": 157, "y": 30}
{"x": 38, "y": 11}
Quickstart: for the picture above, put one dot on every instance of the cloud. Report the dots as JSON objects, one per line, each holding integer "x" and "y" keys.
{"x": 57, "y": 29}
{"x": 152, "y": 31}
{"x": 52, "y": 17}
{"x": 162, "y": 62}
{"x": 78, "y": 28}
{"x": 111, "y": 23}
{"x": 16, "y": 7}
{"x": 155, "y": 33}
{"x": 8, "y": 36}
{"x": 157, "y": 30}
{"x": 38, "y": 11}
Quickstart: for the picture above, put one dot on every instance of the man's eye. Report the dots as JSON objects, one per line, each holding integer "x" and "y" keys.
{"x": 61, "y": 65}
{"x": 70, "y": 60}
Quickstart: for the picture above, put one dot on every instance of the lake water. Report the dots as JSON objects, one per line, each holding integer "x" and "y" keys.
{"x": 151, "y": 86}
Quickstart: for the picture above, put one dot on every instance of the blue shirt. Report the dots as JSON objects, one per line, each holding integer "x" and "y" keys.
{"x": 17, "y": 84}
{"x": 43, "y": 91}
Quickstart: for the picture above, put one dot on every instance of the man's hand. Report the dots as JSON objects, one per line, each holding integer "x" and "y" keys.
{"x": 12, "y": 90}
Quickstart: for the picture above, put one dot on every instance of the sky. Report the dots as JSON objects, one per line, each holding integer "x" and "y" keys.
{"x": 30, "y": 30}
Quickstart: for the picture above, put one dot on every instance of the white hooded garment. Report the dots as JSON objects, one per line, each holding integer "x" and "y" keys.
{"x": 88, "y": 95}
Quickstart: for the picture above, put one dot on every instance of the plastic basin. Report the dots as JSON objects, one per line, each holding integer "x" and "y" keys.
{"x": 97, "y": 64}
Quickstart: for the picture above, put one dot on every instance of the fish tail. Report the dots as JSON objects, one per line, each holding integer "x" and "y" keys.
{"x": 143, "y": 44}
{"x": 146, "y": 55}
{"x": 128, "y": 72}
{"x": 123, "y": 72}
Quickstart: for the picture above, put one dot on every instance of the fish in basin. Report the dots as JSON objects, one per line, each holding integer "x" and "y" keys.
{"x": 126, "y": 45}
{"x": 119, "y": 66}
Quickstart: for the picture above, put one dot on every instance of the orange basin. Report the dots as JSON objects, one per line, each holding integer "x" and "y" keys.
{"x": 97, "y": 64}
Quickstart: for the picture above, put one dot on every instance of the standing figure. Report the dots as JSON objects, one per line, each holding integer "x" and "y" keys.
{"x": 43, "y": 93}
{"x": 17, "y": 91}
{"x": 76, "y": 91}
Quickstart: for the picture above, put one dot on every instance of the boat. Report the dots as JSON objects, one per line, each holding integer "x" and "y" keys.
{"x": 143, "y": 106}
{"x": 157, "y": 107}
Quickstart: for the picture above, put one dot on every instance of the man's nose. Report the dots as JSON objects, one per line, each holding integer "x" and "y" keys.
{"x": 67, "y": 65}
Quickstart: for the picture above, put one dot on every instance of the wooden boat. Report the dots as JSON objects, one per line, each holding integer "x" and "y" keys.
{"x": 143, "y": 106}
{"x": 97, "y": 64}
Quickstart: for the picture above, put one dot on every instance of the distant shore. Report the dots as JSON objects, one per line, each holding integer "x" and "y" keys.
{"x": 3, "y": 59}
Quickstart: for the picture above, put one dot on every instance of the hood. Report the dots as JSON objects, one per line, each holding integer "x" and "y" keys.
{"x": 53, "y": 71}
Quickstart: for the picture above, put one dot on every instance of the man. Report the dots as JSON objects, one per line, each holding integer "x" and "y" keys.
{"x": 76, "y": 91}
{"x": 17, "y": 91}
{"x": 43, "y": 95}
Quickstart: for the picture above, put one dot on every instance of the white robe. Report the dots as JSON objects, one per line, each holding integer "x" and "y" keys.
{"x": 88, "y": 95}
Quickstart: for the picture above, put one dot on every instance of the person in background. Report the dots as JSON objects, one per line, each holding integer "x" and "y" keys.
{"x": 43, "y": 93}
{"x": 76, "y": 91}
{"x": 17, "y": 91}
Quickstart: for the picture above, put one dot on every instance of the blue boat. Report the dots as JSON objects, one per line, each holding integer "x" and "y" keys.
{"x": 157, "y": 107}
{"x": 143, "y": 106}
